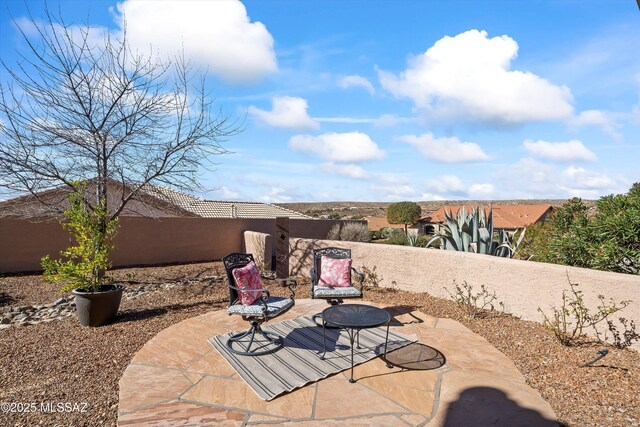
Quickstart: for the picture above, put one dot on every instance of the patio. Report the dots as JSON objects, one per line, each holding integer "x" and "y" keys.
{"x": 178, "y": 378}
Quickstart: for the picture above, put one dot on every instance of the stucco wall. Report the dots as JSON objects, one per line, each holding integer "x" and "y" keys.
{"x": 522, "y": 285}
{"x": 145, "y": 241}
{"x": 261, "y": 246}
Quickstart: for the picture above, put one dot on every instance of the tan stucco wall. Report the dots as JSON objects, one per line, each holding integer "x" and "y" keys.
{"x": 145, "y": 241}
{"x": 522, "y": 285}
{"x": 261, "y": 246}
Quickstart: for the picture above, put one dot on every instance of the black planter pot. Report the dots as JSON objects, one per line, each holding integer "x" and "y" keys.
{"x": 98, "y": 308}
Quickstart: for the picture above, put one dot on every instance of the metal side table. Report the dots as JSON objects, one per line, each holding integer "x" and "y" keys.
{"x": 353, "y": 318}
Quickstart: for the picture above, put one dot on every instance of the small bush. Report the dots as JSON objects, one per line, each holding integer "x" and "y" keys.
{"x": 569, "y": 322}
{"x": 472, "y": 303}
{"x": 371, "y": 276}
{"x": 629, "y": 335}
{"x": 397, "y": 239}
{"x": 350, "y": 232}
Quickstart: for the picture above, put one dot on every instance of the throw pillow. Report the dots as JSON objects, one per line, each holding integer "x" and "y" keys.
{"x": 335, "y": 272}
{"x": 248, "y": 277}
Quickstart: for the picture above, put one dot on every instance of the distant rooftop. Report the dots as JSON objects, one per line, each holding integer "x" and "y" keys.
{"x": 221, "y": 209}
{"x": 504, "y": 216}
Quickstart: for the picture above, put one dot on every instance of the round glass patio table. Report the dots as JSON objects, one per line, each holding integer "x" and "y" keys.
{"x": 353, "y": 318}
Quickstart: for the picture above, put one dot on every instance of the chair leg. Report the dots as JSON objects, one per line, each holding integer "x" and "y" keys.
{"x": 268, "y": 340}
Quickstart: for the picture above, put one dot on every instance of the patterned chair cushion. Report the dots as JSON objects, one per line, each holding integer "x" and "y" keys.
{"x": 335, "y": 272}
{"x": 248, "y": 277}
{"x": 348, "y": 291}
{"x": 275, "y": 306}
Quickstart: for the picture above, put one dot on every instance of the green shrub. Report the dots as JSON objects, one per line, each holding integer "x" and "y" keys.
{"x": 608, "y": 240}
{"x": 569, "y": 322}
{"x": 406, "y": 213}
{"x": 472, "y": 303}
{"x": 83, "y": 266}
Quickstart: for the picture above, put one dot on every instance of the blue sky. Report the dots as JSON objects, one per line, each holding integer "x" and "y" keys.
{"x": 402, "y": 100}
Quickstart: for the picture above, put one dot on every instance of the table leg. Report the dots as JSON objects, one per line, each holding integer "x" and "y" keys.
{"x": 386, "y": 342}
{"x": 351, "y": 338}
{"x": 324, "y": 339}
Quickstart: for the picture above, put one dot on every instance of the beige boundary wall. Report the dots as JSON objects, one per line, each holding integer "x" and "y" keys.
{"x": 522, "y": 285}
{"x": 145, "y": 241}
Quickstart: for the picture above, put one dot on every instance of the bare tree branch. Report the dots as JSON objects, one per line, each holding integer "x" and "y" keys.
{"x": 74, "y": 111}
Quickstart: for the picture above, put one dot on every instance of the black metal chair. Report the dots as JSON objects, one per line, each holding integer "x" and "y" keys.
{"x": 333, "y": 295}
{"x": 263, "y": 309}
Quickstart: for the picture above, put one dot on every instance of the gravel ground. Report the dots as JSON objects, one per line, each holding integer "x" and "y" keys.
{"x": 63, "y": 362}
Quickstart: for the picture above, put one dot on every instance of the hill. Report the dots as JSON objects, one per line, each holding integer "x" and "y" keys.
{"x": 355, "y": 210}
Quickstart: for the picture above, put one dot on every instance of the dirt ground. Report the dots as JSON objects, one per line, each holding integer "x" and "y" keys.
{"x": 64, "y": 362}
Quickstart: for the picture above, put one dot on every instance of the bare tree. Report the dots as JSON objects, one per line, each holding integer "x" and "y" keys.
{"x": 78, "y": 111}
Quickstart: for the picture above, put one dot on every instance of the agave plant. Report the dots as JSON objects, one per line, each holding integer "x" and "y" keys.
{"x": 473, "y": 232}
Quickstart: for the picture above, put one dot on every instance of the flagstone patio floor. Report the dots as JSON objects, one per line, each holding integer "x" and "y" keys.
{"x": 178, "y": 378}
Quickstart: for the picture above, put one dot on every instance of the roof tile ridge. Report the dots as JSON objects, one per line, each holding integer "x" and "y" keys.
{"x": 288, "y": 210}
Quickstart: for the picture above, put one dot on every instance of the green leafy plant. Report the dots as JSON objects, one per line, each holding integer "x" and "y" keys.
{"x": 569, "y": 322}
{"x": 83, "y": 265}
{"x": 608, "y": 239}
{"x": 406, "y": 213}
{"x": 473, "y": 232}
{"x": 472, "y": 303}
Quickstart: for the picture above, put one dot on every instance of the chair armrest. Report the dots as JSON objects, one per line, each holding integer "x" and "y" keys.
{"x": 288, "y": 282}
{"x": 360, "y": 278}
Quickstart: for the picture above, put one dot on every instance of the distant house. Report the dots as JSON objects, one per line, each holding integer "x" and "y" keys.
{"x": 223, "y": 209}
{"x": 505, "y": 217}
{"x": 154, "y": 201}
{"x": 377, "y": 223}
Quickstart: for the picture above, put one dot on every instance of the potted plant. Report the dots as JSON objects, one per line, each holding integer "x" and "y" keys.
{"x": 81, "y": 268}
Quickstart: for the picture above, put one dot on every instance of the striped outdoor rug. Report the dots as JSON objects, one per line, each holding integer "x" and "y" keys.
{"x": 298, "y": 362}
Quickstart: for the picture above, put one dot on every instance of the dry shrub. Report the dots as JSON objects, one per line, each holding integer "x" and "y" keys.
{"x": 350, "y": 232}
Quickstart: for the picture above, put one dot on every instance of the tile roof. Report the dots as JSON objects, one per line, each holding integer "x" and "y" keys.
{"x": 221, "y": 209}
{"x": 504, "y": 216}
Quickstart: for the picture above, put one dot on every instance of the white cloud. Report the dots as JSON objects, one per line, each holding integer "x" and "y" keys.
{"x": 389, "y": 120}
{"x": 394, "y": 192}
{"x": 450, "y": 187}
{"x": 481, "y": 191}
{"x": 287, "y": 112}
{"x": 346, "y": 169}
{"x": 447, "y": 149}
{"x": 446, "y": 184}
{"x": 228, "y": 194}
{"x": 217, "y": 34}
{"x": 276, "y": 195}
{"x": 338, "y": 147}
{"x": 573, "y": 150}
{"x": 583, "y": 179}
{"x": 532, "y": 179}
{"x": 356, "y": 81}
{"x": 385, "y": 120}
{"x": 596, "y": 118}
{"x": 468, "y": 77}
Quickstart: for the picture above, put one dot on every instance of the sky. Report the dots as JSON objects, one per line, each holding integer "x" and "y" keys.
{"x": 399, "y": 100}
